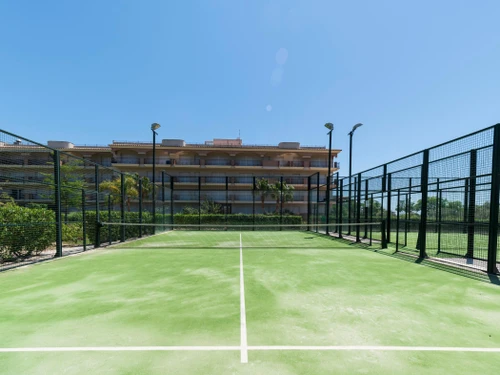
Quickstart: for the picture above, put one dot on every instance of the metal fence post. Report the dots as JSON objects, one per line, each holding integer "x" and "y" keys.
{"x": 440, "y": 217}
{"x": 336, "y": 199}
{"x": 97, "y": 214}
{"x": 358, "y": 208}
{"x": 84, "y": 224}
{"x": 227, "y": 200}
{"x": 122, "y": 207}
{"x": 366, "y": 209}
{"x": 389, "y": 206}
{"x": 110, "y": 238}
{"x": 341, "y": 207}
{"x": 199, "y": 203}
{"x": 317, "y": 202}
{"x": 308, "y": 199}
{"x": 471, "y": 217}
{"x": 398, "y": 210}
{"x": 371, "y": 219}
{"x": 172, "y": 201}
{"x": 57, "y": 202}
{"x": 383, "y": 240}
{"x": 163, "y": 197}
{"x": 424, "y": 188}
{"x": 466, "y": 205}
{"x": 407, "y": 228}
{"x": 253, "y": 202}
{"x": 281, "y": 200}
{"x": 494, "y": 202}
{"x": 140, "y": 207}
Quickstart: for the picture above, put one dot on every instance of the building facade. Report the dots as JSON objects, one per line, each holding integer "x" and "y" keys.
{"x": 225, "y": 170}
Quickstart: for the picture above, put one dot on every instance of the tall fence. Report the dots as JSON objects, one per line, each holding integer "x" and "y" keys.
{"x": 441, "y": 203}
{"x": 52, "y": 203}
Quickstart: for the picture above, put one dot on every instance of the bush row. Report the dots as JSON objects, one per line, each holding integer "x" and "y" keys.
{"x": 236, "y": 219}
{"x": 113, "y": 232}
{"x": 25, "y": 231}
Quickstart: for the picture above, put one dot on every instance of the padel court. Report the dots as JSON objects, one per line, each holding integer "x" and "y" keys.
{"x": 244, "y": 302}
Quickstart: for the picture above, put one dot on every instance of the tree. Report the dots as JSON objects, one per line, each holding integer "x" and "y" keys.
{"x": 208, "y": 206}
{"x": 147, "y": 186}
{"x": 264, "y": 188}
{"x": 282, "y": 192}
{"x": 432, "y": 205}
{"x": 71, "y": 185}
{"x": 452, "y": 211}
{"x": 114, "y": 187}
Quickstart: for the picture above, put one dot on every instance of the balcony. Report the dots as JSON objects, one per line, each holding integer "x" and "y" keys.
{"x": 12, "y": 161}
{"x": 215, "y": 180}
{"x": 319, "y": 163}
{"x": 222, "y": 162}
{"x": 187, "y": 162}
{"x": 248, "y": 163}
{"x": 292, "y": 164}
{"x": 126, "y": 160}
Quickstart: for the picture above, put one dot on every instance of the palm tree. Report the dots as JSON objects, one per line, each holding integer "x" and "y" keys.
{"x": 114, "y": 187}
{"x": 264, "y": 188}
{"x": 282, "y": 192}
{"x": 147, "y": 186}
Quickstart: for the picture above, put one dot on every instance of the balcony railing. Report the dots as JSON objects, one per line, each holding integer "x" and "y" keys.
{"x": 248, "y": 163}
{"x": 125, "y": 160}
{"x": 292, "y": 163}
{"x": 187, "y": 162}
{"x": 12, "y": 161}
{"x": 217, "y": 162}
{"x": 319, "y": 164}
{"x": 215, "y": 180}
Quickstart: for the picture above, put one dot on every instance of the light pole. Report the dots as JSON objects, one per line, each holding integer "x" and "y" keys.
{"x": 350, "y": 172}
{"x": 329, "y": 126}
{"x": 154, "y": 126}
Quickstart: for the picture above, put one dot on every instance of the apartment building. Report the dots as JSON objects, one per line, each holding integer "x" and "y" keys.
{"x": 223, "y": 169}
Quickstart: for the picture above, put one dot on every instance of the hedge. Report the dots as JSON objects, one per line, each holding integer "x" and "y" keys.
{"x": 25, "y": 231}
{"x": 132, "y": 231}
{"x": 236, "y": 219}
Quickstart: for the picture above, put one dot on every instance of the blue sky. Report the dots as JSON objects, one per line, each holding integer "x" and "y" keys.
{"x": 415, "y": 73}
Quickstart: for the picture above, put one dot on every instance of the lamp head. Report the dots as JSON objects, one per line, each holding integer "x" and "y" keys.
{"x": 155, "y": 126}
{"x": 329, "y": 126}
{"x": 356, "y": 126}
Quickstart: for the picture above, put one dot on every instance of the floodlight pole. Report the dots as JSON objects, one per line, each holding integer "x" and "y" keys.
{"x": 154, "y": 127}
{"x": 350, "y": 174}
{"x": 328, "y": 181}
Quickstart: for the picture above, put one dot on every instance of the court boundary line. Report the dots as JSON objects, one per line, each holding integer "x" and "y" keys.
{"x": 254, "y": 348}
{"x": 243, "y": 315}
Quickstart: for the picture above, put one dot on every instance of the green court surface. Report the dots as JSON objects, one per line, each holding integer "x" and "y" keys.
{"x": 173, "y": 304}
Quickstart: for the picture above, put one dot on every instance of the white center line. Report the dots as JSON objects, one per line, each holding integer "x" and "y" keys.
{"x": 243, "y": 315}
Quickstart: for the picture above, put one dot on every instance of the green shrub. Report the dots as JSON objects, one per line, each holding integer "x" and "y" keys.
{"x": 25, "y": 231}
{"x": 236, "y": 219}
{"x": 72, "y": 233}
{"x": 115, "y": 230}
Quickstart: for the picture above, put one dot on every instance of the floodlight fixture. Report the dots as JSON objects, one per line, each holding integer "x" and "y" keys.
{"x": 355, "y": 127}
{"x": 155, "y": 126}
{"x": 329, "y": 126}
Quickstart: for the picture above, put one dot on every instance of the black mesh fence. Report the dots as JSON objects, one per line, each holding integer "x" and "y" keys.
{"x": 53, "y": 203}
{"x": 441, "y": 203}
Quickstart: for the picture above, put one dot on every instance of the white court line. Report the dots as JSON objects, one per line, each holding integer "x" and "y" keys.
{"x": 243, "y": 315}
{"x": 122, "y": 349}
{"x": 377, "y": 348}
{"x": 258, "y": 348}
